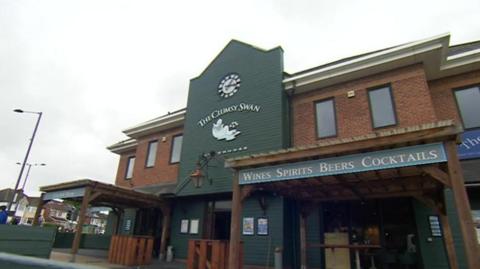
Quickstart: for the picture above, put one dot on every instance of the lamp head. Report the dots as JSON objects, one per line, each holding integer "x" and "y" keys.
{"x": 18, "y": 110}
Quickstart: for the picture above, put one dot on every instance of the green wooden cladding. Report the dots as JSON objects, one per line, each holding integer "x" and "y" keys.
{"x": 88, "y": 241}
{"x": 27, "y": 240}
{"x": 261, "y": 74}
{"x": 433, "y": 254}
{"x": 258, "y": 249}
{"x": 185, "y": 209}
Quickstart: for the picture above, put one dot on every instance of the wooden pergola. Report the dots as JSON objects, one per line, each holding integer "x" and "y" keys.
{"x": 423, "y": 182}
{"x": 94, "y": 193}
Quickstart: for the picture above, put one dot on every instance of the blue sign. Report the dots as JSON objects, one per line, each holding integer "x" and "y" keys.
{"x": 470, "y": 147}
{"x": 377, "y": 160}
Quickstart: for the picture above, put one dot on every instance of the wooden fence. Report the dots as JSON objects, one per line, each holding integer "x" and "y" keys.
{"x": 209, "y": 254}
{"x": 130, "y": 250}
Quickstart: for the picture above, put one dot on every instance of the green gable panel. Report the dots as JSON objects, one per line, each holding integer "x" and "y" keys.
{"x": 250, "y": 119}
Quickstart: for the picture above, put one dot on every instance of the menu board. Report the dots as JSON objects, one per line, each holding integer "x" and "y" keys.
{"x": 435, "y": 226}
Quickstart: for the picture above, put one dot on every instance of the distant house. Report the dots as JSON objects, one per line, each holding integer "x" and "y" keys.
{"x": 29, "y": 211}
{"x": 95, "y": 222}
{"x": 20, "y": 201}
{"x": 60, "y": 214}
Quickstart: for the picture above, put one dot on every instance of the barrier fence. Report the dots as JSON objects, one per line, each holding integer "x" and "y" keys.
{"x": 209, "y": 254}
{"x": 130, "y": 250}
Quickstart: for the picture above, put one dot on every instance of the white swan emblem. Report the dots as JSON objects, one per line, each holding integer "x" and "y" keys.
{"x": 221, "y": 131}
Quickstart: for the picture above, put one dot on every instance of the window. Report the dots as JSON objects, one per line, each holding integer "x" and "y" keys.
{"x": 381, "y": 107}
{"x": 130, "y": 164}
{"x": 325, "y": 115}
{"x": 151, "y": 153}
{"x": 468, "y": 101}
{"x": 176, "y": 149}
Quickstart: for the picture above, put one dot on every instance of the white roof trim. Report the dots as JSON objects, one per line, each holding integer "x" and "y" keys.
{"x": 168, "y": 121}
{"x": 123, "y": 146}
{"x": 400, "y": 49}
{"x": 431, "y": 51}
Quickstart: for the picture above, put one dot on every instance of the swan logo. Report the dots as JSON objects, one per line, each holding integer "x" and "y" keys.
{"x": 222, "y": 131}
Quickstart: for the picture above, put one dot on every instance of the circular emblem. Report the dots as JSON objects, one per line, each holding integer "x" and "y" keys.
{"x": 229, "y": 85}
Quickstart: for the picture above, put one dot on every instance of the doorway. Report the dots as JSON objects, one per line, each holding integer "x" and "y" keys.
{"x": 218, "y": 219}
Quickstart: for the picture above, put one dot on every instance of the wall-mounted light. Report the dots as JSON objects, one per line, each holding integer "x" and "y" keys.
{"x": 197, "y": 176}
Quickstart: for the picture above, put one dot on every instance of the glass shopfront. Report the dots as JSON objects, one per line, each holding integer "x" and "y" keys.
{"x": 369, "y": 234}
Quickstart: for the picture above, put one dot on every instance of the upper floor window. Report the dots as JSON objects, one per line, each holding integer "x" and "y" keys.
{"x": 130, "y": 165}
{"x": 176, "y": 149}
{"x": 325, "y": 116}
{"x": 381, "y": 107}
{"x": 151, "y": 153}
{"x": 468, "y": 101}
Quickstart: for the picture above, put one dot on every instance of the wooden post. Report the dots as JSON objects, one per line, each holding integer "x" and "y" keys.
{"x": 81, "y": 219}
{"x": 166, "y": 222}
{"x": 448, "y": 240}
{"x": 235, "y": 230}
{"x": 38, "y": 211}
{"x": 303, "y": 241}
{"x": 191, "y": 254}
{"x": 463, "y": 207}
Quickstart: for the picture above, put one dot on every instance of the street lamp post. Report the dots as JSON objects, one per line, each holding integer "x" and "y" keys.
{"x": 26, "y": 177}
{"x": 26, "y": 155}
{"x": 28, "y": 172}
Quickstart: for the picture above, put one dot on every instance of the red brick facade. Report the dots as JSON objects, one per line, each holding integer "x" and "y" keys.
{"x": 442, "y": 93}
{"x": 162, "y": 172}
{"x": 412, "y": 101}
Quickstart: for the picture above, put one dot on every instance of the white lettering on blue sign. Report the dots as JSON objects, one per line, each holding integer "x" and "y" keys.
{"x": 385, "y": 159}
{"x": 470, "y": 146}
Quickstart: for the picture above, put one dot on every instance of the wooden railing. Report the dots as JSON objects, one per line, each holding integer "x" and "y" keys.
{"x": 130, "y": 250}
{"x": 209, "y": 254}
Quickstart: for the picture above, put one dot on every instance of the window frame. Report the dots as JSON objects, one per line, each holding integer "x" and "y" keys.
{"x": 394, "y": 107}
{"x": 148, "y": 154}
{"x": 334, "y": 117}
{"x": 171, "y": 149}
{"x": 454, "y": 90}
{"x": 126, "y": 168}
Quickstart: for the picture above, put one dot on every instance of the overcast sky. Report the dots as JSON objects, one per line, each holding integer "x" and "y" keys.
{"x": 97, "y": 67}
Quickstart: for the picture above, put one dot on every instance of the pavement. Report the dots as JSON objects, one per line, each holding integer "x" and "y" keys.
{"x": 99, "y": 258}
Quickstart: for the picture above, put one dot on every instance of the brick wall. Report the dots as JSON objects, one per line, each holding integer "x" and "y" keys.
{"x": 162, "y": 171}
{"x": 122, "y": 168}
{"x": 411, "y": 96}
{"x": 442, "y": 94}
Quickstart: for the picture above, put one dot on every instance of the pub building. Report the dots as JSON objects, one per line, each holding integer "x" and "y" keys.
{"x": 371, "y": 161}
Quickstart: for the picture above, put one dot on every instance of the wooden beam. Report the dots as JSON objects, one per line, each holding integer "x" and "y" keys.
{"x": 235, "y": 228}
{"x": 247, "y": 190}
{"x": 349, "y": 186}
{"x": 38, "y": 211}
{"x": 348, "y": 146}
{"x": 303, "y": 241}
{"x": 166, "y": 222}
{"x": 93, "y": 196}
{"x": 463, "y": 206}
{"x": 437, "y": 174}
{"x": 448, "y": 241}
{"x": 81, "y": 219}
{"x": 368, "y": 196}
